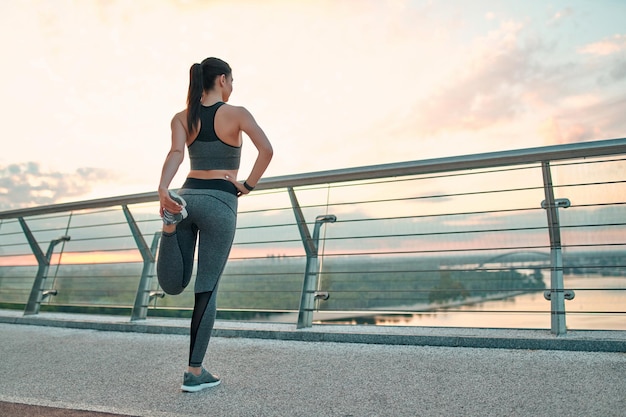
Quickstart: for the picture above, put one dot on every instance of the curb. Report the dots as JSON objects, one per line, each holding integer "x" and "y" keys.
{"x": 547, "y": 342}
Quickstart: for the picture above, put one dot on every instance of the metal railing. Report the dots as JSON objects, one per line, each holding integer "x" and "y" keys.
{"x": 503, "y": 239}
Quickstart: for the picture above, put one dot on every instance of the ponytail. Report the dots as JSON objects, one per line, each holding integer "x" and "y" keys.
{"x": 193, "y": 97}
{"x": 202, "y": 78}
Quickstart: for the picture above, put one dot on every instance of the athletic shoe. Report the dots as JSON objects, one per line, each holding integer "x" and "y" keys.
{"x": 192, "y": 383}
{"x": 171, "y": 218}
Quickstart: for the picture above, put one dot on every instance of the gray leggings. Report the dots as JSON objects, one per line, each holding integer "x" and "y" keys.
{"x": 212, "y": 217}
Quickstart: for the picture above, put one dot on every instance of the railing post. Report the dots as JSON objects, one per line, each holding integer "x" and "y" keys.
{"x": 37, "y": 294}
{"x": 307, "y": 298}
{"x": 556, "y": 294}
{"x": 148, "y": 254}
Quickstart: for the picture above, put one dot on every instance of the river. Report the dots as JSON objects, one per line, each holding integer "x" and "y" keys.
{"x": 596, "y": 306}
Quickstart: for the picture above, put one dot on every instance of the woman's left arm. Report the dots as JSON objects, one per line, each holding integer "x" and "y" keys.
{"x": 262, "y": 144}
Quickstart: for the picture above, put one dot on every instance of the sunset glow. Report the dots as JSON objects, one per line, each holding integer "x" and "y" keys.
{"x": 89, "y": 89}
{"x": 76, "y": 258}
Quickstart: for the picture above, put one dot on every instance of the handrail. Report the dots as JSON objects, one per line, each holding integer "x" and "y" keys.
{"x": 427, "y": 166}
{"x": 407, "y": 236}
{"x": 454, "y": 163}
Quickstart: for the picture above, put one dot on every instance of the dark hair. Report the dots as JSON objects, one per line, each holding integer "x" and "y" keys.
{"x": 202, "y": 78}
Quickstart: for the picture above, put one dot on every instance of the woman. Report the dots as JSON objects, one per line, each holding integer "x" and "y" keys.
{"x": 206, "y": 205}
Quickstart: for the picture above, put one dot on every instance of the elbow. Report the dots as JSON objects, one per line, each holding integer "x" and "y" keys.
{"x": 176, "y": 156}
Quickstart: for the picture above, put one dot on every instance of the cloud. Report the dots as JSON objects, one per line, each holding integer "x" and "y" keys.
{"x": 486, "y": 90}
{"x": 559, "y": 132}
{"x": 608, "y": 46}
{"x": 587, "y": 121}
{"x": 332, "y": 85}
{"x": 560, "y": 15}
{"x": 25, "y": 184}
{"x": 608, "y": 58}
{"x": 618, "y": 70}
{"x": 515, "y": 82}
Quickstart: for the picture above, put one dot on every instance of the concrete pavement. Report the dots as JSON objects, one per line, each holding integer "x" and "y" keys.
{"x": 139, "y": 373}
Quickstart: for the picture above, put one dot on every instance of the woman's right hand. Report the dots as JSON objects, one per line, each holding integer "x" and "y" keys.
{"x": 167, "y": 203}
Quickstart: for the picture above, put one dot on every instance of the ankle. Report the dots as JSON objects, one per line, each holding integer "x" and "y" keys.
{"x": 195, "y": 370}
{"x": 169, "y": 228}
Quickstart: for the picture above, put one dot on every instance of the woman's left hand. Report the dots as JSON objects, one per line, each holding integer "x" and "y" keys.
{"x": 241, "y": 190}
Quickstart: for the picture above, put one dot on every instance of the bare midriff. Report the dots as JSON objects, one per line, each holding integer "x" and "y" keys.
{"x": 224, "y": 174}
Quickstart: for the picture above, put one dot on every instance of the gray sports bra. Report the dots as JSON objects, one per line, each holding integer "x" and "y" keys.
{"x": 208, "y": 151}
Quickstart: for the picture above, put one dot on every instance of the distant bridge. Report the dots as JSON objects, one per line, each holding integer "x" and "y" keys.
{"x": 499, "y": 258}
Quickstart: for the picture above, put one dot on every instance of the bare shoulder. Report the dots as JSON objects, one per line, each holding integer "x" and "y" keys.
{"x": 180, "y": 117}
{"x": 236, "y": 111}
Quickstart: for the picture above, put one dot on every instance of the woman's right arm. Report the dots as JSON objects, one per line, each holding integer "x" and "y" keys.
{"x": 174, "y": 158}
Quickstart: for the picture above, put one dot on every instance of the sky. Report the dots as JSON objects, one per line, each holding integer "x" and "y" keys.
{"x": 88, "y": 88}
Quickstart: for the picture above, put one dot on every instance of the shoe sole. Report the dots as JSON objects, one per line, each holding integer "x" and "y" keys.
{"x": 178, "y": 199}
{"x": 174, "y": 217}
{"x": 196, "y": 388}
